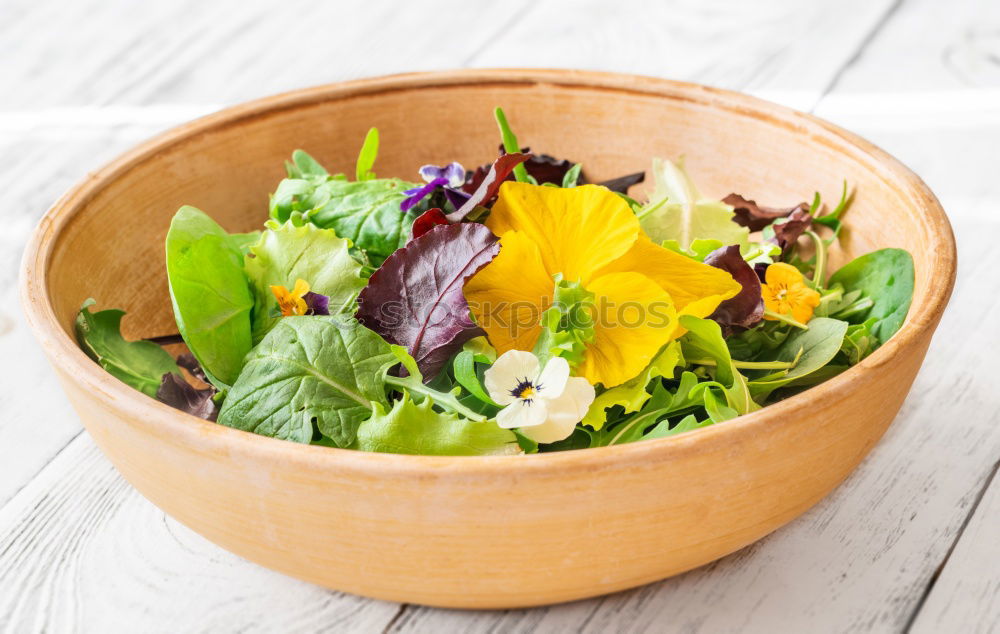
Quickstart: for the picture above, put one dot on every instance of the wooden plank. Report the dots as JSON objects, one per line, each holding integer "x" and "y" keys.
{"x": 80, "y": 550}
{"x": 790, "y": 51}
{"x": 225, "y": 51}
{"x": 966, "y": 596}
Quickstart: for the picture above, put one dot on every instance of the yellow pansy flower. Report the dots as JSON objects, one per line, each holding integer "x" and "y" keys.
{"x": 292, "y": 302}
{"x": 588, "y": 234}
{"x": 786, "y": 293}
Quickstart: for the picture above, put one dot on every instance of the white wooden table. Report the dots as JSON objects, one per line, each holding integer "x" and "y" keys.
{"x": 911, "y": 542}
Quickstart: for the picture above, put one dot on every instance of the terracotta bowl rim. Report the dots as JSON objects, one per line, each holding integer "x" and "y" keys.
{"x": 142, "y": 410}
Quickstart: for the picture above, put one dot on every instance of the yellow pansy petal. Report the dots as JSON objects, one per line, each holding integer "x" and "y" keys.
{"x": 509, "y": 295}
{"x": 697, "y": 289}
{"x": 635, "y": 317}
{"x": 578, "y": 230}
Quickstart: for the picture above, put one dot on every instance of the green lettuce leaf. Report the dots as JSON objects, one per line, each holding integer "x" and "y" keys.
{"x": 676, "y": 211}
{"x": 210, "y": 293}
{"x": 140, "y": 364}
{"x": 310, "y": 373}
{"x": 632, "y": 394}
{"x": 288, "y": 252}
{"x": 416, "y": 428}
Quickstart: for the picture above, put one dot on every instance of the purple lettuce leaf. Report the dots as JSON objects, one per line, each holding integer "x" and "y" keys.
{"x": 415, "y": 298}
{"x": 747, "y": 308}
{"x": 490, "y": 184}
{"x": 787, "y": 232}
{"x": 179, "y": 394}
{"x": 755, "y": 217}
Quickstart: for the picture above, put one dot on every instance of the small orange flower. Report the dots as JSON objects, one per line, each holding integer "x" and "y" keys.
{"x": 787, "y": 294}
{"x": 292, "y": 302}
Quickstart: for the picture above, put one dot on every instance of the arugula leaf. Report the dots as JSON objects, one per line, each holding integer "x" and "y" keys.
{"x": 633, "y": 394}
{"x": 285, "y": 253}
{"x": 704, "y": 339}
{"x": 676, "y": 211}
{"x": 140, "y": 364}
{"x": 886, "y": 278}
{"x": 366, "y": 158}
{"x": 310, "y": 373}
{"x": 210, "y": 293}
{"x": 661, "y": 405}
{"x": 416, "y": 428}
{"x": 811, "y": 349}
{"x": 415, "y": 298}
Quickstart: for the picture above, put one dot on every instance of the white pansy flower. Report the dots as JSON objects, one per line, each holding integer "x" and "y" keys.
{"x": 544, "y": 403}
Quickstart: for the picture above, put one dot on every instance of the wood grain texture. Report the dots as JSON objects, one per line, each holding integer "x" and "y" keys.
{"x": 226, "y": 51}
{"x": 966, "y": 597}
{"x": 773, "y": 45}
{"x": 110, "y": 552}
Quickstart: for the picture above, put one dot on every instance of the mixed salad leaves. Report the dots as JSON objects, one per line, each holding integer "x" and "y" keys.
{"x": 512, "y": 308}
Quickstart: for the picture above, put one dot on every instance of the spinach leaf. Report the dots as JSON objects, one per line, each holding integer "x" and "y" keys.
{"x": 210, "y": 293}
{"x": 307, "y": 373}
{"x": 140, "y": 364}
{"x": 412, "y": 428}
{"x": 286, "y": 253}
{"x": 886, "y": 277}
{"x": 812, "y": 348}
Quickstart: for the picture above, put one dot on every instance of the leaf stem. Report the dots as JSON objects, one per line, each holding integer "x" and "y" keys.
{"x": 786, "y": 319}
{"x": 510, "y": 144}
{"x": 819, "y": 273}
{"x": 749, "y": 365}
{"x": 448, "y": 401}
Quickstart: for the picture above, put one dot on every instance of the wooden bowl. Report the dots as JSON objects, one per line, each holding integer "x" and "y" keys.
{"x": 481, "y": 532}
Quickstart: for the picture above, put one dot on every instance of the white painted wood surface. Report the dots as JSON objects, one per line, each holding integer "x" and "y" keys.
{"x": 910, "y": 540}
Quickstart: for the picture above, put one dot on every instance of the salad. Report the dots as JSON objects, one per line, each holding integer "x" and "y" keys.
{"x": 512, "y": 308}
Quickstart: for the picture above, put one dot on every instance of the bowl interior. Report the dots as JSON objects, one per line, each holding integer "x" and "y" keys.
{"x": 112, "y": 247}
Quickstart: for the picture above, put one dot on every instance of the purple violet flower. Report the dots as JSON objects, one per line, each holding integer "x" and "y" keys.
{"x": 417, "y": 194}
{"x": 316, "y": 304}
{"x": 453, "y": 172}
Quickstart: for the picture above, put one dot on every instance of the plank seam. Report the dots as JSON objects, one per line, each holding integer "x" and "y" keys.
{"x": 859, "y": 52}
{"x": 48, "y": 463}
{"x": 951, "y": 549}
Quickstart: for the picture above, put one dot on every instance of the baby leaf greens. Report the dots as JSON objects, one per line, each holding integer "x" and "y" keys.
{"x": 381, "y": 315}
{"x": 366, "y": 212}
